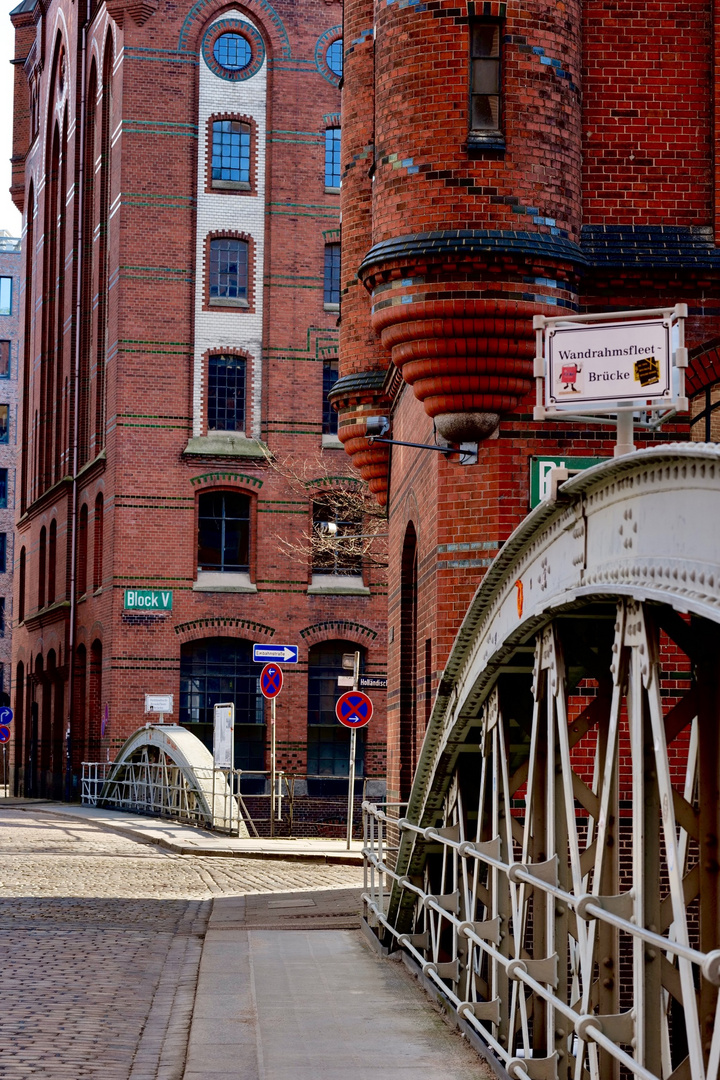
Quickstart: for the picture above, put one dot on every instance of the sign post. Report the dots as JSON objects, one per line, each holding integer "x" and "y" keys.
{"x": 224, "y": 746}
{"x": 354, "y": 710}
{"x": 616, "y": 366}
{"x": 271, "y": 682}
{"x": 6, "y": 718}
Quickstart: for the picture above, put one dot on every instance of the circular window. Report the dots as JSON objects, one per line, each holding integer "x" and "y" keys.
{"x": 334, "y": 57}
{"x": 232, "y": 52}
{"x": 329, "y": 55}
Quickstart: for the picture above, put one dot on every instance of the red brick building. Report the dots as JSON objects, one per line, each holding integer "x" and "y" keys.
{"x": 502, "y": 161}
{"x": 178, "y": 171}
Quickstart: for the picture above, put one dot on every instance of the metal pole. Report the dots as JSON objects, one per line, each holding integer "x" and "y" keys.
{"x": 272, "y": 767}
{"x": 624, "y": 443}
{"x": 353, "y": 744}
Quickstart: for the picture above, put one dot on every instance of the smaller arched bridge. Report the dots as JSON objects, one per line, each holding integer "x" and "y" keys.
{"x": 556, "y": 873}
{"x": 165, "y": 770}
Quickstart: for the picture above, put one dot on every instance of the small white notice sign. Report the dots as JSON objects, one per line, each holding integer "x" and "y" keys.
{"x": 159, "y": 703}
{"x": 223, "y": 727}
{"x": 604, "y": 363}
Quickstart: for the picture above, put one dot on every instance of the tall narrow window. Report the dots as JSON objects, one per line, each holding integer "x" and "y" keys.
{"x": 224, "y": 532}
{"x": 228, "y": 271}
{"x": 98, "y": 543}
{"x": 3, "y": 553}
{"x": 230, "y": 154}
{"x": 52, "y": 562}
{"x": 330, "y": 417}
{"x": 5, "y": 296}
{"x": 82, "y": 551}
{"x": 21, "y": 587}
{"x": 4, "y": 359}
{"x": 3, "y": 488}
{"x": 331, "y": 290}
{"x": 4, "y": 423}
{"x": 226, "y": 393}
{"x": 484, "y": 81}
{"x": 332, "y": 157}
{"x": 42, "y": 559}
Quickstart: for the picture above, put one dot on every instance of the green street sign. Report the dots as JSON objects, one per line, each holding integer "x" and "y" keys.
{"x": 541, "y": 467}
{"x": 148, "y": 600}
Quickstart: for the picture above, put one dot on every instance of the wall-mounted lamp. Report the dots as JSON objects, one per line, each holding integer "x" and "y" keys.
{"x": 378, "y": 426}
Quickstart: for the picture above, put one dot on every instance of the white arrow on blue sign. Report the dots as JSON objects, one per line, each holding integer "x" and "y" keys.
{"x": 285, "y": 654}
{"x": 6, "y": 715}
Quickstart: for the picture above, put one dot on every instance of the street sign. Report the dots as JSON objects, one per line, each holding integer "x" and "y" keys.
{"x": 223, "y": 729}
{"x": 354, "y": 709}
{"x": 148, "y": 600}
{"x": 373, "y": 682}
{"x": 346, "y": 680}
{"x": 540, "y": 469}
{"x": 6, "y": 715}
{"x": 4, "y": 734}
{"x": 283, "y": 654}
{"x": 271, "y": 681}
{"x": 603, "y": 363}
{"x": 159, "y": 703}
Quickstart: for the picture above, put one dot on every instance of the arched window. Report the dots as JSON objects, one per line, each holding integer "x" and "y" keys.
{"x": 226, "y": 393}
{"x": 230, "y": 154}
{"x": 328, "y": 745}
{"x": 98, "y": 543}
{"x": 224, "y": 532}
{"x": 408, "y": 660}
{"x": 42, "y": 558}
{"x": 228, "y": 273}
{"x": 82, "y": 550}
{"x": 221, "y": 670}
{"x": 52, "y": 562}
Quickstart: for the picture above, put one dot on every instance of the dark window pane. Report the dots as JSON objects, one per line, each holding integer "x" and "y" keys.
{"x": 486, "y": 113}
{"x": 332, "y": 274}
{"x": 485, "y": 39}
{"x": 226, "y": 393}
{"x": 4, "y": 359}
{"x": 332, "y": 157}
{"x": 230, "y": 151}
{"x": 4, "y": 426}
{"x": 334, "y": 57}
{"x": 221, "y": 670}
{"x": 485, "y": 76}
{"x": 228, "y": 269}
{"x": 334, "y": 524}
{"x": 223, "y": 532}
{"x": 5, "y": 296}
{"x": 324, "y": 667}
{"x": 3, "y": 488}
{"x": 330, "y": 417}
{"x": 232, "y": 51}
{"x": 328, "y": 751}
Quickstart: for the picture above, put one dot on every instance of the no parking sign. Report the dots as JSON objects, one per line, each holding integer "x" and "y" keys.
{"x": 271, "y": 681}
{"x": 354, "y": 709}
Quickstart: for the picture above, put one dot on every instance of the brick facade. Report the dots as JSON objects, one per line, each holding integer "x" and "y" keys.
{"x": 592, "y": 190}
{"x": 112, "y": 171}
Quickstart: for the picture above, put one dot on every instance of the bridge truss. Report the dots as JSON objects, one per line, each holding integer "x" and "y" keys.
{"x": 556, "y": 873}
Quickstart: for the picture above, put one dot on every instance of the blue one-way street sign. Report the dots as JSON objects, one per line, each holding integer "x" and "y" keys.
{"x": 284, "y": 654}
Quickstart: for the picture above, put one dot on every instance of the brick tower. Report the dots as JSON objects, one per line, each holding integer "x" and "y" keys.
{"x": 501, "y": 161}
{"x": 178, "y": 171}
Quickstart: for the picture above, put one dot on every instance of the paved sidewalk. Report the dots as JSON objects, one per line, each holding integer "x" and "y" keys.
{"x": 279, "y": 998}
{"x": 188, "y": 840}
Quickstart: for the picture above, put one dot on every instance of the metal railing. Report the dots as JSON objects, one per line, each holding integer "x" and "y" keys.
{"x": 455, "y": 979}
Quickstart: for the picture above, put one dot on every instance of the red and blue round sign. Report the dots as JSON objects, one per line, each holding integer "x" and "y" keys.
{"x": 4, "y": 734}
{"x": 354, "y": 709}
{"x": 271, "y": 680}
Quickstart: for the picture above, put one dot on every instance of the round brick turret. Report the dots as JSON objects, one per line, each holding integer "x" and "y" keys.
{"x": 474, "y": 229}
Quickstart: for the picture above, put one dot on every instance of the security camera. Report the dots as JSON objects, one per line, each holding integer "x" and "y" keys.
{"x": 377, "y": 427}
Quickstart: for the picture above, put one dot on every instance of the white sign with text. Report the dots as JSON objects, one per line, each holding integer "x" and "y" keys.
{"x": 603, "y": 363}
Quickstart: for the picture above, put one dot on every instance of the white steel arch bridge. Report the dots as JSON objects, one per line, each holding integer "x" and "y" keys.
{"x": 556, "y": 873}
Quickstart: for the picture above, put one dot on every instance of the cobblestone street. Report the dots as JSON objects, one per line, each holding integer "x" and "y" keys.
{"x": 100, "y": 938}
